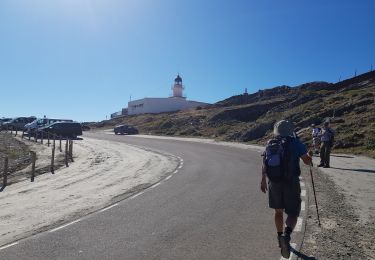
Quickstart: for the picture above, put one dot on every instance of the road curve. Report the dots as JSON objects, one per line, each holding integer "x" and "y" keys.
{"x": 210, "y": 209}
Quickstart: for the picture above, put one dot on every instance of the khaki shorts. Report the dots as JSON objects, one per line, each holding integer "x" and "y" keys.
{"x": 285, "y": 196}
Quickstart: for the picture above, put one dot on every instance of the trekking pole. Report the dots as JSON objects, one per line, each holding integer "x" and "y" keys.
{"x": 313, "y": 185}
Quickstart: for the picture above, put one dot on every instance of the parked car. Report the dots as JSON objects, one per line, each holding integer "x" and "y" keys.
{"x": 125, "y": 129}
{"x": 30, "y": 128}
{"x": 18, "y": 123}
{"x": 3, "y": 121}
{"x": 65, "y": 129}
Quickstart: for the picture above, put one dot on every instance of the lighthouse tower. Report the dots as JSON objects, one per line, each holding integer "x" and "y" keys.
{"x": 178, "y": 87}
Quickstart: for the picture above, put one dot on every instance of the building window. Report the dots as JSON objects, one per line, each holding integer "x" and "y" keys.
{"x": 138, "y": 105}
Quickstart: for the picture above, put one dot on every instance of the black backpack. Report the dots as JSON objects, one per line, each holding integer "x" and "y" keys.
{"x": 277, "y": 160}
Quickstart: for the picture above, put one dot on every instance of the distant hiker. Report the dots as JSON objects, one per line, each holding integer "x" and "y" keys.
{"x": 316, "y": 138}
{"x": 327, "y": 138}
{"x": 281, "y": 167}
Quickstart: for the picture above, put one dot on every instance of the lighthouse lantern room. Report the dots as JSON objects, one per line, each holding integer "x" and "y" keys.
{"x": 178, "y": 87}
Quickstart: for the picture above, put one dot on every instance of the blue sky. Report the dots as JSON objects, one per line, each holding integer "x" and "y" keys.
{"x": 82, "y": 59}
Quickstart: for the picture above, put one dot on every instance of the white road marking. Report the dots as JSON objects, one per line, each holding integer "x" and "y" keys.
{"x": 107, "y": 208}
{"x": 179, "y": 167}
{"x": 303, "y": 206}
{"x": 298, "y": 227}
{"x": 291, "y": 254}
{"x": 168, "y": 177}
{"x": 303, "y": 193}
{"x": 302, "y": 184}
{"x": 63, "y": 226}
{"x": 175, "y": 171}
{"x": 6, "y": 246}
{"x": 136, "y": 195}
{"x": 157, "y": 184}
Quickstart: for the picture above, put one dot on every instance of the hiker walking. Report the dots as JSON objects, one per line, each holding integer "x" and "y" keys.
{"x": 327, "y": 138}
{"x": 316, "y": 138}
{"x": 281, "y": 167}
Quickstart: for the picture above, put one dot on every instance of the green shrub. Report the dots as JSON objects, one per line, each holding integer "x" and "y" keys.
{"x": 370, "y": 143}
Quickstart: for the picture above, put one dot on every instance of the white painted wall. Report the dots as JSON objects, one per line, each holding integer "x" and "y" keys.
{"x": 159, "y": 105}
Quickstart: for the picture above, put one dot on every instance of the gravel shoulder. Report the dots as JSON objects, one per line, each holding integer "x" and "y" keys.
{"x": 346, "y": 201}
{"x": 103, "y": 172}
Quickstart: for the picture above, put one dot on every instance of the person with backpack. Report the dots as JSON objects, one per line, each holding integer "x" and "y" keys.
{"x": 281, "y": 167}
{"x": 327, "y": 138}
{"x": 316, "y": 139}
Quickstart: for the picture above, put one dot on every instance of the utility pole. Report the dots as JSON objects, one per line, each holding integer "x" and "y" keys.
{"x": 371, "y": 68}
{"x": 340, "y": 79}
{"x": 355, "y": 73}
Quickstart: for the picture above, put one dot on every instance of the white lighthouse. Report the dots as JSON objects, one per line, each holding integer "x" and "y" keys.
{"x": 178, "y": 87}
{"x": 168, "y": 104}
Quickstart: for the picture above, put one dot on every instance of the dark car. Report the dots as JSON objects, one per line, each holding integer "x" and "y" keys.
{"x": 30, "y": 128}
{"x": 3, "y": 121}
{"x": 18, "y": 123}
{"x": 125, "y": 129}
{"x": 65, "y": 129}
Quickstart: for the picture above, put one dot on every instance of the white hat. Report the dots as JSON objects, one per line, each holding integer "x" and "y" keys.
{"x": 283, "y": 128}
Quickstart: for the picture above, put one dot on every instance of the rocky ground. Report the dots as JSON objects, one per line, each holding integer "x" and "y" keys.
{"x": 342, "y": 235}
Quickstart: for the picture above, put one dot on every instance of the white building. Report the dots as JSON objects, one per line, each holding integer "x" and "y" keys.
{"x": 159, "y": 105}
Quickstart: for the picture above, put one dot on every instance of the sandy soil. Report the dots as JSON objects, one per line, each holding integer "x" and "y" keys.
{"x": 103, "y": 172}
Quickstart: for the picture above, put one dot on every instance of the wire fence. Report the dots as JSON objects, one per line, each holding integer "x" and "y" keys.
{"x": 57, "y": 143}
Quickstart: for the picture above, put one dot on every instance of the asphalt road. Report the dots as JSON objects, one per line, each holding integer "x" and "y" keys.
{"x": 211, "y": 209}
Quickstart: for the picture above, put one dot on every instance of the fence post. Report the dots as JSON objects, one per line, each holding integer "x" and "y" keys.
{"x": 54, "y": 141}
{"x": 53, "y": 160}
{"x": 11, "y": 130}
{"x": 33, "y": 159}
{"x": 23, "y": 132}
{"x": 16, "y": 131}
{"x": 66, "y": 153}
{"x": 42, "y": 137}
{"x": 5, "y": 173}
{"x": 48, "y": 139}
{"x": 60, "y": 145}
{"x": 29, "y": 135}
{"x": 71, "y": 150}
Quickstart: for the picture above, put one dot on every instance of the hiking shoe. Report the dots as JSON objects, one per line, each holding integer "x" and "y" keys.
{"x": 321, "y": 165}
{"x": 326, "y": 166}
{"x": 285, "y": 246}
{"x": 278, "y": 240}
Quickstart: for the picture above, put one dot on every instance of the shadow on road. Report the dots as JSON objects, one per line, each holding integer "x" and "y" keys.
{"x": 302, "y": 255}
{"x": 356, "y": 170}
{"x": 342, "y": 156}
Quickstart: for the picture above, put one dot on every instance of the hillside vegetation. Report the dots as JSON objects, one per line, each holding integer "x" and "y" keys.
{"x": 250, "y": 118}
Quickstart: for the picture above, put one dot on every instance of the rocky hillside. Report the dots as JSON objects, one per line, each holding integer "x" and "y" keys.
{"x": 250, "y": 117}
